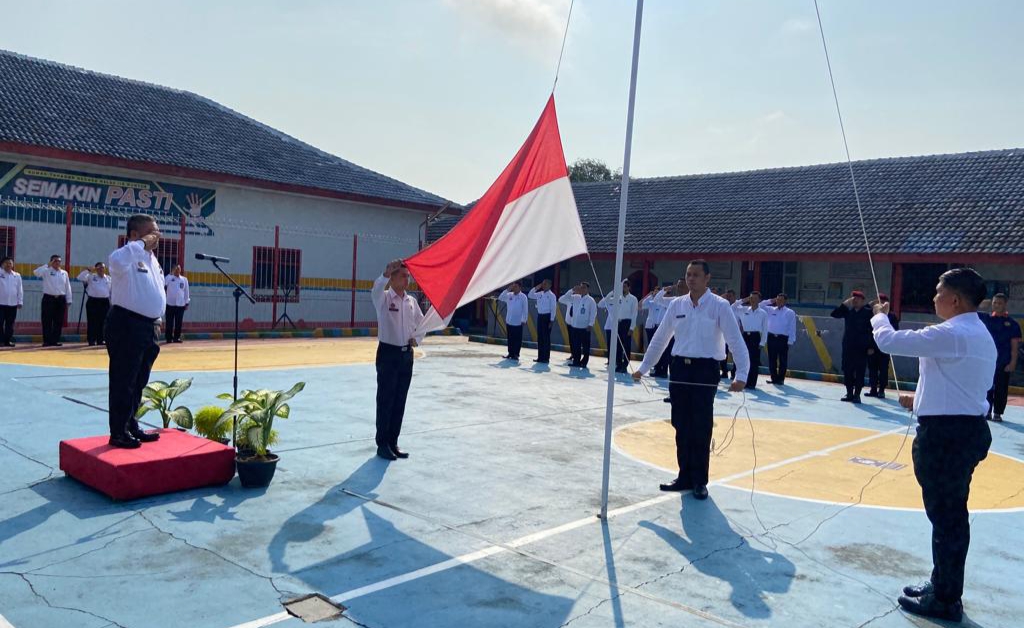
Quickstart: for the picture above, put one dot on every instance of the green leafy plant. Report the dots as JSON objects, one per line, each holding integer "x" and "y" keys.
{"x": 160, "y": 396}
{"x": 255, "y": 411}
{"x": 243, "y": 442}
{"x": 208, "y": 425}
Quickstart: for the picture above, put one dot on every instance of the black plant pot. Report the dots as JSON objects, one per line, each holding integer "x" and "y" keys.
{"x": 256, "y": 472}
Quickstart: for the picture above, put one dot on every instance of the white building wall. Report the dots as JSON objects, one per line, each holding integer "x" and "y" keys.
{"x": 323, "y": 229}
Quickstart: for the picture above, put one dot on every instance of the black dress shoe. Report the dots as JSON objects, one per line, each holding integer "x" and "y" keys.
{"x": 58, "y": 344}
{"x": 145, "y": 437}
{"x": 917, "y": 590}
{"x": 383, "y": 451}
{"x": 856, "y": 399}
{"x": 676, "y": 485}
{"x": 124, "y": 442}
{"x": 399, "y": 453}
{"x": 846, "y": 398}
{"x": 881, "y": 394}
{"x": 871, "y": 393}
{"x": 700, "y": 492}
{"x": 667, "y": 399}
{"x": 930, "y": 606}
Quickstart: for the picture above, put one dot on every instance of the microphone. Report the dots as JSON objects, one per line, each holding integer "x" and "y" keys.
{"x": 212, "y": 258}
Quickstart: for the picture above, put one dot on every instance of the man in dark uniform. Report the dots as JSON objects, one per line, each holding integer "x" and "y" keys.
{"x": 856, "y": 341}
{"x": 1006, "y": 334}
{"x": 878, "y": 360}
{"x": 956, "y": 357}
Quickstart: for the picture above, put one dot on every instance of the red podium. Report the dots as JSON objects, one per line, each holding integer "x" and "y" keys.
{"x": 177, "y": 462}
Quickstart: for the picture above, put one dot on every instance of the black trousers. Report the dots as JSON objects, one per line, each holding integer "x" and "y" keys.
{"x": 661, "y": 368}
{"x": 172, "y": 326}
{"x": 515, "y": 340}
{"x": 132, "y": 347}
{"x": 579, "y": 345}
{"x": 53, "y": 309}
{"x": 1000, "y": 390}
{"x": 752, "y": 339}
{"x": 543, "y": 337}
{"x": 394, "y": 374}
{"x": 625, "y": 339}
{"x": 778, "y": 357}
{"x": 878, "y": 371}
{"x": 855, "y": 362}
{"x": 96, "y": 311}
{"x": 693, "y": 408}
{"x": 945, "y": 452}
{"x": 7, "y": 315}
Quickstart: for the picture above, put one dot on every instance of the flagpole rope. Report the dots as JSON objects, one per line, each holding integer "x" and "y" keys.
{"x": 565, "y": 36}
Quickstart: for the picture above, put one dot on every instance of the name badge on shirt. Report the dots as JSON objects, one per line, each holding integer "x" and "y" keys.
{"x": 392, "y": 307}
{"x": 141, "y": 268}
{"x": 680, "y": 315}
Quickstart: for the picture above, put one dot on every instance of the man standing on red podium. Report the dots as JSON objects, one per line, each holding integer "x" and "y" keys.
{"x": 138, "y": 301}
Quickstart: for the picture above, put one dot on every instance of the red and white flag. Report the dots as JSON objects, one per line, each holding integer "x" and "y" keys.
{"x": 526, "y": 221}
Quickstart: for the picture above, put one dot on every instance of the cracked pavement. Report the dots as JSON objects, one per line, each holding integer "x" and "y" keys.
{"x": 516, "y": 452}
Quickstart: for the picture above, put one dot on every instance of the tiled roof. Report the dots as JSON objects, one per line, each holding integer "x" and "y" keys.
{"x": 55, "y": 106}
{"x": 938, "y": 204}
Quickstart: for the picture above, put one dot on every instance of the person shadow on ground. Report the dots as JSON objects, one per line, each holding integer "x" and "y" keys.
{"x": 715, "y": 550}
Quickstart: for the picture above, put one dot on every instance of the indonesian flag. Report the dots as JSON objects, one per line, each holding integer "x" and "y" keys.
{"x": 526, "y": 221}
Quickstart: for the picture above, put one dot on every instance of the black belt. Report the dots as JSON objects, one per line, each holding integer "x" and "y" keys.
{"x": 130, "y": 314}
{"x": 53, "y": 296}
{"x": 752, "y": 333}
{"x": 937, "y": 418}
{"x": 771, "y": 335}
{"x": 384, "y": 346}
{"x": 687, "y": 360}
{"x": 99, "y": 298}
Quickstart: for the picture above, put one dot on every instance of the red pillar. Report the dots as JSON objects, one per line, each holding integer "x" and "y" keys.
{"x": 647, "y": 277}
{"x": 68, "y": 211}
{"x": 355, "y": 251}
{"x": 757, "y": 276}
{"x": 896, "y": 293}
{"x": 275, "y": 276}
{"x": 181, "y": 243}
{"x": 555, "y": 285}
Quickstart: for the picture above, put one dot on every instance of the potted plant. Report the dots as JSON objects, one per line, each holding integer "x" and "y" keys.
{"x": 254, "y": 413}
{"x": 160, "y": 396}
{"x": 208, "y": 424}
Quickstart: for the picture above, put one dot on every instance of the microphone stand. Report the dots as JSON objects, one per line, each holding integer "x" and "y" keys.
{"x": 284, "y": 315}
{"x": 238, "y": 293}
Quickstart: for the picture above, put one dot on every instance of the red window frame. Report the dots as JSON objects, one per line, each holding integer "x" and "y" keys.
{"x": 289, "y": 272}
{"x": 7, "y": 241}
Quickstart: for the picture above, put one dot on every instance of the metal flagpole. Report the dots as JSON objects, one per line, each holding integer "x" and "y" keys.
{"x": 617, "y": 294}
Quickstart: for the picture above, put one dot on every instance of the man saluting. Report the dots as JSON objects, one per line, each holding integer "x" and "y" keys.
{"x": 398, "y": 316}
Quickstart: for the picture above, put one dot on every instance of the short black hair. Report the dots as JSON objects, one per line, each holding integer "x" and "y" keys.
{"x": 731, "y": 291}
{"x": 53, "y": 257}
{"x": 782, "y": 294}
{"x": 966, "y": 282}
{"x": 5, "y": 258}
{"x": 136, "y": 221}
{"x": 585, "y": 284}
{"x": 753, "y": 292}
{"x": 1000, "y": 295}
{"x": 703, "y": 264}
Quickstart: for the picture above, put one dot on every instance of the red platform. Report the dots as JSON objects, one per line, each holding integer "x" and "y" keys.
{"x": 177, "y": 462}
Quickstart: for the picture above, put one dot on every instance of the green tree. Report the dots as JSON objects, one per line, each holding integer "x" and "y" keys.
{"x": 583, "y": 170}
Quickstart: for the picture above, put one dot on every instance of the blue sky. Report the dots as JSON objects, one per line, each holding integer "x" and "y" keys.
{"x": 440, "y": 93}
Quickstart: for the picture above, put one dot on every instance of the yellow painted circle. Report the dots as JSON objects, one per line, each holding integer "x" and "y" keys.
{"x": 820, "y": 462}
{"x": 214, "y": 355}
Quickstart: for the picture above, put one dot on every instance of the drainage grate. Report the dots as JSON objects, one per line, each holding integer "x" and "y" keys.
{"x": 314, "y": 607}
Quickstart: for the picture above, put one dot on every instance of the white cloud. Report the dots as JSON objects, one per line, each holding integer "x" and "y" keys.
{"x": 797, "y": 25}
{"x": 536, "y": 25}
